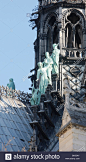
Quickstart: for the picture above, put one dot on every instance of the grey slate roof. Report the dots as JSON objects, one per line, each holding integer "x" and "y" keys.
{"x": 14, "y": 124}
{"x": 78, "y": 116}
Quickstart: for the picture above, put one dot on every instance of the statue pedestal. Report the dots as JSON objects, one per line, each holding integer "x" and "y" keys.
{"x": 54, "y": 81}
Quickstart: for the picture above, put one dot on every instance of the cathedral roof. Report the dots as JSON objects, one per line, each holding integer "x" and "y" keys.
{"x": 78, "y": 116}
{"x": 15, "y": 130}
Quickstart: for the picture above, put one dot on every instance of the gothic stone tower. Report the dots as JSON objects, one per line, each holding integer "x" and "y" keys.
{"x": 63, "y": 22}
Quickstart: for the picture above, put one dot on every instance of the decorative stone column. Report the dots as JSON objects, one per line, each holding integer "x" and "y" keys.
{"x": 66, "y": 92}
{"x": 63, "y": 42}
{"x": 60, "y": 28}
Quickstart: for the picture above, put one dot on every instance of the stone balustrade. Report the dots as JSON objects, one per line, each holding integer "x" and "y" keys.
{"x": 73, "y": 52}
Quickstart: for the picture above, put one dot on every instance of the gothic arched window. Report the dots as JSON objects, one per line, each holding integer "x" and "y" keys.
{"x": 68, "y": 36}
{"x": 52, "y": 21}
{"x": 49, "y": 40}
{"x": 78, "y": 36}
{"x": 52, "y": 34}
{"x": 55, "y": 35}
{"x": 73, "y": 31}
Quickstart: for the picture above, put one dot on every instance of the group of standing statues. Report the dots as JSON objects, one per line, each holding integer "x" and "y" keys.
{"x": 45, "y": 68}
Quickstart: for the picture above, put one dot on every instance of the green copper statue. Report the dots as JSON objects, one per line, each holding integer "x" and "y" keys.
{"x": 11, "y": 84}
{"x": 42, "y": 77}
{"x": 10, "y": 87}
{"x": 48, "y": 64}
{"x": 36, "y": 94}
{"x": 55, "y": 58}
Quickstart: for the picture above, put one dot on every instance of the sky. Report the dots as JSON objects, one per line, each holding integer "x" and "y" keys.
{"x": 17, "y": 56}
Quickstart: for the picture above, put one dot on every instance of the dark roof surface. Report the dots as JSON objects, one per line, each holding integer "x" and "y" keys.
{"x": 78, "y": 116}
{"x": 15, "y": 130}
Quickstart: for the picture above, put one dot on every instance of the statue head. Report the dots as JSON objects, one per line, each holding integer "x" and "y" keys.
{"x": 54, "y": 45}
{"x": 47, "y": 54}
{"x": 11, "y": 80}
{"x": 40, "y": 64}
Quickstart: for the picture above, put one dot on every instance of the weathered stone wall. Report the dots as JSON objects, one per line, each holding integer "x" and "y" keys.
{"x": 66, "y": 141}
{"x": 73, "y": 139}
{"x": 79, "y": 139}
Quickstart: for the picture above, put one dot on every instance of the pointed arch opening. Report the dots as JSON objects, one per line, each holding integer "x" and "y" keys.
{"x": 49, "y": 40}
{"x": 55, "y": 35}
{"x": 73, "y": 18}
{"x": 68, "y": 36}
{"x": 52, "y": 21}
{"x": 78, "y": 36}
{"x": 50, "y": 25}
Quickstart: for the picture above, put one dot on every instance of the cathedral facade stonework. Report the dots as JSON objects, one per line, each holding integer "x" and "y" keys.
{"x": 62, "y": 107}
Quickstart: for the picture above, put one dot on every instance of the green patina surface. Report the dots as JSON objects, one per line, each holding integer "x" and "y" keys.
{"x": 50, "y": 64}
{"x": 11, "y": 84}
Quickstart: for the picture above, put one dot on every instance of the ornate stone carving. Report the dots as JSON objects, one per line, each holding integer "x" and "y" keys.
{"x": 77, "y": 12}
{"x": 48, "y": 17}
{"x": 55, "y": 58}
